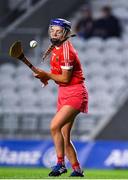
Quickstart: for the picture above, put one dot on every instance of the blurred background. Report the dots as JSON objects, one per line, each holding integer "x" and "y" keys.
{"x": 26, "y": 108}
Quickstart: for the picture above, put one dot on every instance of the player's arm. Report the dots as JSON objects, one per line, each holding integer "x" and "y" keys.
{"x": 65, "y": 77}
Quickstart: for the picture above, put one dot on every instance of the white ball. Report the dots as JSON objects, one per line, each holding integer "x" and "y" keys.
{"x": 33, "y": 44}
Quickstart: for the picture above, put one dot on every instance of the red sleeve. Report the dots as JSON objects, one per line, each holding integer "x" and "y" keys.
{"x": 67, "y": 57}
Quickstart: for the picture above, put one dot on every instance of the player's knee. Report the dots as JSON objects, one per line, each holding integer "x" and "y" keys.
{"x": 54, "y": 128}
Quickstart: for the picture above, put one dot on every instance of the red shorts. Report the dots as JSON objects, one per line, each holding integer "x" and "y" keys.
{"x": 73, "y": 95}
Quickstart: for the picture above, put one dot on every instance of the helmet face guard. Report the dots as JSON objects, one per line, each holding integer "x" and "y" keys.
{"x": 64, "y": 24}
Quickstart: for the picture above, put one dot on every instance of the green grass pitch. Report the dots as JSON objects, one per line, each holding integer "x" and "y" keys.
{"x": 42, "y": 173}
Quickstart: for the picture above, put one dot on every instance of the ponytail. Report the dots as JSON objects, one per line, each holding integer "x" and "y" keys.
{"x": 48, "y": 51}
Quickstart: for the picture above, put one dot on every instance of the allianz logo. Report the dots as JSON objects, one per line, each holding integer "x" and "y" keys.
{"x": 8, "y": 156}
{"x": 117, "y": 158}
{"x": 49, "y": 158}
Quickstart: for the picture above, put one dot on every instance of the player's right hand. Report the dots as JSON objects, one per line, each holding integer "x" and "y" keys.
{"x": 44, "y": 81}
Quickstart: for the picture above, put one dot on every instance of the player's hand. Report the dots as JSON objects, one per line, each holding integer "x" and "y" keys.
{"x": 44, "y": 81}
{"x": 40, "y": 74}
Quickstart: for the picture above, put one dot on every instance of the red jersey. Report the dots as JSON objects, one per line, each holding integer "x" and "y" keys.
{"x": 65, "y": 57}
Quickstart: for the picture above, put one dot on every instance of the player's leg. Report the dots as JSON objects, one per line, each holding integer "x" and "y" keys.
{"x": 61, "y": 118}
{"x": 70, "y": 150}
